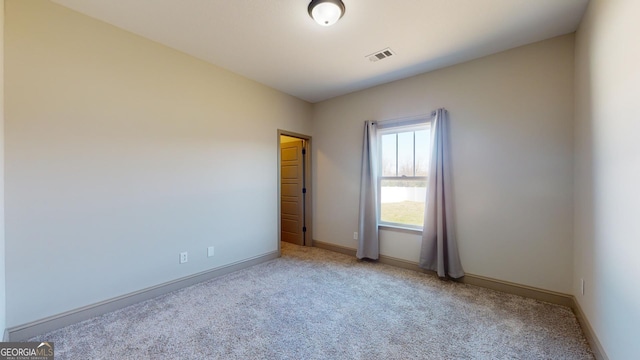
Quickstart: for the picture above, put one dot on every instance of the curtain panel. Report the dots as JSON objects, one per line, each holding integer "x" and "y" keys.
{"x": 368, "y": 243}
{"x": 439, "y": 250}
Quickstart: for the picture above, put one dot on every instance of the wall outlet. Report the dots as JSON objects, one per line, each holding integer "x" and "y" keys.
{"x": 355, "y": 235}
{"x": 184, "y": 257}
{"x": 582, "y": 286}
{"x": 210, "y": 251}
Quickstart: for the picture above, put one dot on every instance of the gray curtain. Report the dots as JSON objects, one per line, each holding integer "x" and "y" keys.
{"x": 439, "y": 250}
{"x": 368, "y": 245}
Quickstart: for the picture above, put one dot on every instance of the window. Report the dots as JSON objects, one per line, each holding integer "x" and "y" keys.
{"x": 404, "y": 163}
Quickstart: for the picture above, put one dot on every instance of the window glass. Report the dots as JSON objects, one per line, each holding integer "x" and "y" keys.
{"x": 423, "y": 150}
{"x": 402, "y": 201}
{"x": 405, "y": 154}
{"x": 388, "y": 155}
{"x": 404, "y": 164}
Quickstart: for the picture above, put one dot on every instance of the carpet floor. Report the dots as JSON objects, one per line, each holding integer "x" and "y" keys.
{"x": 316, "y": 304}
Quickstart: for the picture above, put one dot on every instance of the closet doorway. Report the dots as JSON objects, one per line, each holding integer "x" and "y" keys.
{"x": 294, "y": 178}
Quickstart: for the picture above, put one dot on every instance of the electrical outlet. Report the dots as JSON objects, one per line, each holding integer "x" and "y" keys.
{"x": 184, "y": 257}
{"x": 355, "y": 235}
{"x": 582, "y": 286}
{"x": 210, "y": 251}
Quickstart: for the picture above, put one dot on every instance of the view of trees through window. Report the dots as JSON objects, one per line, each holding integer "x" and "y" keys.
{"x": 404, "y": 156}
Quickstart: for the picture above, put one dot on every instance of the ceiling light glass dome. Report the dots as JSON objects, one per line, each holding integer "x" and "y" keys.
{"x": 326, "y": 12}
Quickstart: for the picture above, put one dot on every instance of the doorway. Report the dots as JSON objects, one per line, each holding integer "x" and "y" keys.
{"x": 294, "y": 200}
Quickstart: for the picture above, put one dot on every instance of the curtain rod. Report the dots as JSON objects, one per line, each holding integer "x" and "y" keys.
{"x": 406, "y": 120}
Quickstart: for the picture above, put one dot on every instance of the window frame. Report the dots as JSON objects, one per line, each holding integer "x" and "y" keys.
{"x": 397, "y": 128}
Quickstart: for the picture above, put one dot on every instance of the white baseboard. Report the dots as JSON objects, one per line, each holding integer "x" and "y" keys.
{"x": 498, "y": 285}
{"x": 42, "y": 326}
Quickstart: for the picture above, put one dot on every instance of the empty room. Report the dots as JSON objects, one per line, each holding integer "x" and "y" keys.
{"x": 326, "y": 179}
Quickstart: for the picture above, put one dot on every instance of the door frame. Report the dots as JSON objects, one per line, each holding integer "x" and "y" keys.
{"x": 308, "y": 218}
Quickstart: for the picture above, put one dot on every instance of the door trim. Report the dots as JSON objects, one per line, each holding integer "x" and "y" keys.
{"x": 308, "y": 238}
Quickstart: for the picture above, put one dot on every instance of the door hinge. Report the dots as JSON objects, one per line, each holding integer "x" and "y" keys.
{"x": 304, "y": 229}
{"x": 304, "y": 190}
{"x": 304, "y": 151}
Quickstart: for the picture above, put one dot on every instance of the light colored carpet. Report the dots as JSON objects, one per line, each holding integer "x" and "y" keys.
{"x": 317, "y": 304}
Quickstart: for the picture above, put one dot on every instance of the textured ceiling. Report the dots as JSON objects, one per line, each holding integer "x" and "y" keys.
{"x": 276, "y": 43}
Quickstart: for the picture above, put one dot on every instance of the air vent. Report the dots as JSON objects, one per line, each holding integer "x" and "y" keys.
{"x": 379, "y": 55}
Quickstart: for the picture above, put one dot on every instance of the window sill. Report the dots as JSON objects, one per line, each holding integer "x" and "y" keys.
{"x": 400, "y": 229}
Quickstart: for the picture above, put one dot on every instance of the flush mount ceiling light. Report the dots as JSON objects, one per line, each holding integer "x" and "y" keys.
{"x": 326, "y": 12}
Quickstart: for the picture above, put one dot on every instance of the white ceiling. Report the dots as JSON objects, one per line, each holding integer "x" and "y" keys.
{"x": 276, "y": 43}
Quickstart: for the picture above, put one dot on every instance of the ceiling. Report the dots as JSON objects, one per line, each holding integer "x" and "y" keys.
{"x": 276, "y": 43}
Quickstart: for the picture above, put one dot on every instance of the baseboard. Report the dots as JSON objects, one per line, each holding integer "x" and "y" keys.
{"x": 498, "y": 285}
{"x": 42, "y": 326}
{"x": 335, "y": 248}
{"x": 518, "y": 289}
{"x": 596, "y": 346}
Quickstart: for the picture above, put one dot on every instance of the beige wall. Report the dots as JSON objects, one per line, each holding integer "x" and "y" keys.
{"x": 3, "y": 310}
{"x": 512, "y": 152}
{"x": 607, "y": 174}
{"x": 122, "y": 153}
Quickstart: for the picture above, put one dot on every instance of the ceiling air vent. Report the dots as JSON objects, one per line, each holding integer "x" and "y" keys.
{"x": 379, "y": 55}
